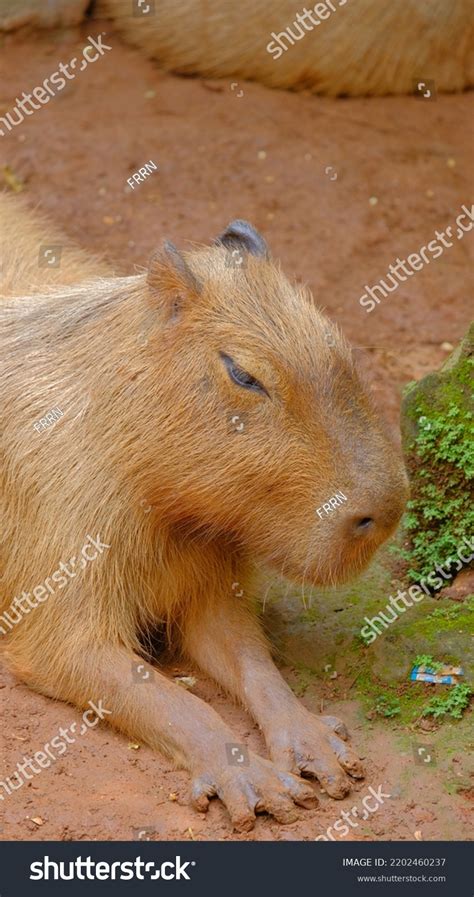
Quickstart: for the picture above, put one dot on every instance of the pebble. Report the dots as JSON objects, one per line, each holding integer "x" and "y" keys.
{"x": 261, "y": 154}
{"x": 373, "y": 201}
{"x": 451, "y": 163}
{"x": 447, "y": 347}
{"x": 186, "y": 681}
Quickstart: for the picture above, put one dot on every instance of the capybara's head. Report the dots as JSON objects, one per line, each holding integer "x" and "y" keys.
{"x": 266, "y": 432}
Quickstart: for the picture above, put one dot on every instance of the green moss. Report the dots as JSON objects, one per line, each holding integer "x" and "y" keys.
{"x": 381, "y": 690}
{"x": 438, "y": 439}
{"x": 402, "y": 703}
{"x": 408, "y": 702}
{"x": 453, "y": 616}
{"x": 323, "y": 636}
{"x": 387, "y": 705}
{"x": 448, "y": 617}
{"x": 304, "y": 678}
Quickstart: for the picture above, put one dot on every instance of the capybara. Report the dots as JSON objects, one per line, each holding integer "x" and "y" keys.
{"x": 348, "y": 47}
{"x": 38, "y": 14}
{"x": 207, "y": 410}
{"x": 35, "y": 255}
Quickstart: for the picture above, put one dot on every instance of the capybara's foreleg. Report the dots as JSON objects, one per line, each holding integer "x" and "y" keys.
{"x": 227, "y": 642}
{"x": 146, "y": 705}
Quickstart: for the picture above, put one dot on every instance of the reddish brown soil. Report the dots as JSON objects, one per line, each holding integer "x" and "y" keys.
{"x": 261, "y": 156}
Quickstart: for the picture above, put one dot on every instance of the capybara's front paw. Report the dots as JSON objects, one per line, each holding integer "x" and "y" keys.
{"x": 257, "y": 787}
{"x": 315, "y": 746}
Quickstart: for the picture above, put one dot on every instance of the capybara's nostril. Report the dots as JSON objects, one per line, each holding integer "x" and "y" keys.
{"x": 363, "y": 525}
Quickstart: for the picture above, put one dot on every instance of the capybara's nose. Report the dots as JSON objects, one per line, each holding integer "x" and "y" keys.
{"x": 374, "y": 515}
{"x": 375, "y": 522}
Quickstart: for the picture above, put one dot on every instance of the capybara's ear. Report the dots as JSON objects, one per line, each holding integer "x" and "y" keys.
{"x": 171, "y": 278}
{"x": 240, "y": 234}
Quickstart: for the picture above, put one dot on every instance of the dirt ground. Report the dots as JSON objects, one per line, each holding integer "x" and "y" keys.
{"x": 339, "y": 188}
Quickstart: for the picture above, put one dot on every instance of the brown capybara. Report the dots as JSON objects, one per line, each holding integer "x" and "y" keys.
{"x": 207, "y": 410}
{"x": 35, "y": 255}
{"x": 38, "y": 14}
{"x": 348, "y": 47}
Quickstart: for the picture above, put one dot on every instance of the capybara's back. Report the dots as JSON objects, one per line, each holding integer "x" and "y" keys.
{"x": 35, "y": 255}
{"x": 348, "y": 47}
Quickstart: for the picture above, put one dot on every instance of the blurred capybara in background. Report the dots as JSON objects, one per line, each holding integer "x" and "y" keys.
{"x": 34, "y": 255}
{"x": 348, "y": 47}
{"x": 208, "y": 410}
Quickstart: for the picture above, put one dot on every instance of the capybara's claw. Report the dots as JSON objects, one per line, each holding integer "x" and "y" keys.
{"x": 310, "y": 747}
{"x": 259, "y": 787}
{"x": 337, "y": 725}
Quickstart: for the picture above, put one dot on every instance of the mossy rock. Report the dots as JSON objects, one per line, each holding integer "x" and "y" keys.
{"x": 325, "y": 628}
{"x": 437, "y": 431}
{"x": 440, "y": 628}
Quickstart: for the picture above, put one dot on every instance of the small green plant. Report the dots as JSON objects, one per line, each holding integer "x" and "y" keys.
{"x": 445, "y": 613}
{"x": 453, "y": 613}
{"x": 454, "y": 704}
{"x": 438, "y": 421}
{"x": 426, "y": 661}
{"x": 387, "y": 706}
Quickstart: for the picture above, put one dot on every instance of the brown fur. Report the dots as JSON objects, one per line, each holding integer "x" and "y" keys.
{"x": 21, "y": 236}
{"x": 363, "y": 48}
{"x": 40, "y": 14}
{"x": 134, "y": 364}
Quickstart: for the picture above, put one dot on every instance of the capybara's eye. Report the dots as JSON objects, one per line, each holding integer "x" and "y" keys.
{"x": 241, "y": 377}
